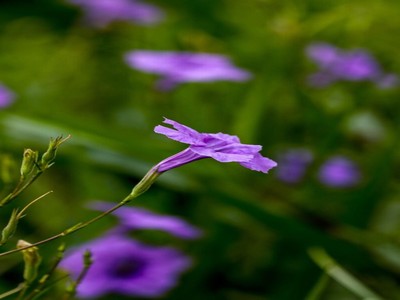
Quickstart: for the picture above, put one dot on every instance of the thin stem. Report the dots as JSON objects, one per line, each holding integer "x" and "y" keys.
{"x": 342, "y": 276}
{"x": 20, "y": 187}
{"x": 73, "y": 228}
{"x": 27, "y": 184}
{"x": 30, "y": 203}
{"x": 46, "y": 288}
{"x": 13, "y": 291}
{"x": 23, "y": 291}
{"x": 317, "y": 291}
{"x": 72, "y": 289}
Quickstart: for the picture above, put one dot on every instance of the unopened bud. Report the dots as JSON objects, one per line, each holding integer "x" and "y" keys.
{"x": 11, "y": 227}
{"x": 49, "y": 156}
{"x": 87, "y": 258}
{"x": 29, "y": 160}
{"x": 32, "y": 260}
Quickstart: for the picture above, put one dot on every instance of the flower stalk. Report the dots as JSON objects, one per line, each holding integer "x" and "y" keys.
{"x": 32, "y": 166}
{"x": 87, "y": 262}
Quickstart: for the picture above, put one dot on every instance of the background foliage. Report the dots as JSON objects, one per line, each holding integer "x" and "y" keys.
{"x": 71, "y": 79}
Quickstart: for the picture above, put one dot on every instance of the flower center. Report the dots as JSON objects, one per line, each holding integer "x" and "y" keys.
{"x": 127, "y": 267}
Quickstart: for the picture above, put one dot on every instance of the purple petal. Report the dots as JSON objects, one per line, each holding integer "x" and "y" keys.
{"x": 221, "y": 156}
{"x": 179, "y": 67}
{"x": 335, "y": 64}
{"x": 6, "y": 96}
{"x": 339, "y": 172}
{"x": 100, "y": 13}
{"x": 124, "y": 266}
{"x": 260, "y": 163}
{"x": 182, "y": 133}
{"x": 323, "y": 54}
{"x": 223, "y": 136}
{"x": 134, "y": 218}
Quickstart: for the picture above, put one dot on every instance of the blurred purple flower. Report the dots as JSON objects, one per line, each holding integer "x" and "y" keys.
{"x": 293, "y": 164}
{"x": 132, "y": 218}
{"x": 388, "y": 80}
{"x": 355, "y": 65}
{"x": 219, "y": 146}
{"x": 6, "y": 96}
{"x": 339, "y": 172}
{"x": 179, "y": 67}
{"x": 100, "y": 13}
{"x": 126, "y": 267}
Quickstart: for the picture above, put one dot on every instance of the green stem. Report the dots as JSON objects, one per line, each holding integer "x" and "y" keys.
{"x": 23, "y": 291}
{"x": 87, "y": 264}
{"x": 20, "y": 214}
{"x": 13, "y": 291}
{"x": 26, "y": 185}
{"x": 317, "y": 291}
{"x": 20, "y": 188}
{"x": 73, "y": 228}
{"x": 342, "y": 276}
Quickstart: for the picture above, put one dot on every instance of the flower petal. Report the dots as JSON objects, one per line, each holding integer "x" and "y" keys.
{"x": 182, "y": 133}
{"x": 133, "y": 218}
{"x": 221, "y": 156}
{"x": 260, "y": 163}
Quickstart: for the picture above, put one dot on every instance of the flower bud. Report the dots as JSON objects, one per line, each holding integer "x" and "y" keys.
{"x": 49, "y": 156}
{"x": 32, "y": 260}
{"x": 28, "y": 161}
{"x": 87, "y": 259}
{"x": 10, "y": 228}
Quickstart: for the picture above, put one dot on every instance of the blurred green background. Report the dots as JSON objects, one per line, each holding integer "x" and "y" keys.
{"x": 71, "y": 79}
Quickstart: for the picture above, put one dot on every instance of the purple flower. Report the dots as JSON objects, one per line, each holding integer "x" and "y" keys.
{"x": 354, "y": 65}
{"x": 180, "y": 67}
{"x": 6, "y": 96}
{"x": 219, "y": 146}
{"x": 323, "y": 54}
{"x": 100, "y": 13}
{"x": 126, "y": 267}
{"x": 132, "y": 218}
{"x": 389, "y": 80}
{"x": 339, "y": 172}
{"x": 293, "y": 164}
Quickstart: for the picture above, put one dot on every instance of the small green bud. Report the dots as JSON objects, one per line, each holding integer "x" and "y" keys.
{"x": 32, "y": 260}
{"x": 61, "y": 249}
{"x": 49, "y": 156}
{"x": 87, "y": 258}
{"x": 11, "y": 227}
{"x": 29, "y": 160}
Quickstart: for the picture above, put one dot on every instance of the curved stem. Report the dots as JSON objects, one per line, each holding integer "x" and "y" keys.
{"x": 73, "y": 228}
{"x": 20, "y": 188}
{"x": 13, "y": 291}
{"x": 27, "y": 184}
{"x": 20, "y": 214}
